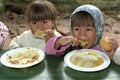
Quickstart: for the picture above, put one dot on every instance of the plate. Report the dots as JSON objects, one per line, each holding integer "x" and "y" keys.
{"x": 15, "y": 52}
{"x": 68, "y": 60}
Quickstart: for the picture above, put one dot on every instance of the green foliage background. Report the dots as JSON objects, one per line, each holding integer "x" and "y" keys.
{"x": 65, "y": 6}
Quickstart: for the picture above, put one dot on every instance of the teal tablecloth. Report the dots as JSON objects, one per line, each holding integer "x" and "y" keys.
{"x": 54, "y": 68}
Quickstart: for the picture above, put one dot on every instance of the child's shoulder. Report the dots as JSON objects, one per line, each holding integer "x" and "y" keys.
{"x": 26, "y": 32}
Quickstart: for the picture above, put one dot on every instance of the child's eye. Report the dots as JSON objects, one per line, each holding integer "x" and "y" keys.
{"x": 44, "y": 22}
{"x": 89, "y": 29}
{"x": 34, "y": 22}
{"x": 76, "y": 29}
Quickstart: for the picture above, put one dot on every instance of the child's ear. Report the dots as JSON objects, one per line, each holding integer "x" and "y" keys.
{"x": 54, "y": 25}
{"x": 55, "y": 22}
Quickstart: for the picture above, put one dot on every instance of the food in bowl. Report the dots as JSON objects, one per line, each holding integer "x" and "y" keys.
{"x": 23, "y": 57}
{"x": 86, "y": 59}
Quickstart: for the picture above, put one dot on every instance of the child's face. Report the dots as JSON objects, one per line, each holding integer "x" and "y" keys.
{"x": 41, "y": 25}
{"x": 85, "y": 33}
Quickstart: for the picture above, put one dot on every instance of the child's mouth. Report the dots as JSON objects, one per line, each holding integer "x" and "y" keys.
{"x": 39, "y": 34}
{"x": 82, "y": 43}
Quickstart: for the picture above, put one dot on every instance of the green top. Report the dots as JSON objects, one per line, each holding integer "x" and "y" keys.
{"x": 54, "y": 68}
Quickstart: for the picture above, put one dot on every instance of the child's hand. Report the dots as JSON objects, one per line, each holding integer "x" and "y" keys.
{"x": 66, "y": 40}
{"x": 104, "y": 42}
{"x": 109, "y": 45}
{"x": 113, "y": 45}
{"x": 48, "y": 34}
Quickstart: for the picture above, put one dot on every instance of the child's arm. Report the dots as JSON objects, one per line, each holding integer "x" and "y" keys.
{"x": 50, "y": 47}
{"x": 18, "y": 41}
{"x": 15, "y": 43}
{"x": 57, "y": 45}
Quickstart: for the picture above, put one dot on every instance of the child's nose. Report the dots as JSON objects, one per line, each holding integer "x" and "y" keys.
{"x": 82, "y": 32}
{"x": 40, "y": 25}
{"x": 82, "y": 37}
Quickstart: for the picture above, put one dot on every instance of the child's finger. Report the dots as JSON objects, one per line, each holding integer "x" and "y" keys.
{"x": 73, "y": 43}
{"x": 113, "y": 43}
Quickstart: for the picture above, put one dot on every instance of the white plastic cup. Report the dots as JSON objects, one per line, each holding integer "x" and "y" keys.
{"x": 116, "y": 56}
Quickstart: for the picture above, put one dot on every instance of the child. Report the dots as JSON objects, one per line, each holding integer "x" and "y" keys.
{"x": 87, "y": 26}
{"x": 41, "y": 17}
{"x": 3, "y": 35}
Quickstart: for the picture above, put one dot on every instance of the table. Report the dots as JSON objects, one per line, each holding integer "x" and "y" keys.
{"x": 54, "y": 68}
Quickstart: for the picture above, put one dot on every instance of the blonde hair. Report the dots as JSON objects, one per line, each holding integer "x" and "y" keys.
{"x": 82, "y": 19}
{"x": 40, "y": 10}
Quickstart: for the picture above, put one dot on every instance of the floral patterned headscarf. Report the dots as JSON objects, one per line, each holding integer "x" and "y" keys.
{"x": 97, "y": 16}
{"x": 3, "y": 34}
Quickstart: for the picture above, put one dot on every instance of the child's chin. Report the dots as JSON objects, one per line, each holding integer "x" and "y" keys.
{"x": 39, "y": 37}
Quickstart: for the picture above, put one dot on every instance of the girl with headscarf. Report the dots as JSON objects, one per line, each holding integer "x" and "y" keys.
{"x": 87, "y": 26}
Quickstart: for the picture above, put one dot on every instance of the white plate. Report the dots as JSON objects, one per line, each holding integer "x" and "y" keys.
{"x": 104, "y": 65}
{"x": 5, "y": 62}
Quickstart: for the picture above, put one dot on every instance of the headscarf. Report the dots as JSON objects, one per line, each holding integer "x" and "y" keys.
{"x": 97, "y": 16}
{"x": 3, "y": 34}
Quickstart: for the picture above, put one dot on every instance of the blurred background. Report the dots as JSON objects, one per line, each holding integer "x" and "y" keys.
{"x": 12, "y": 15}
{"x": 109, "y": 6}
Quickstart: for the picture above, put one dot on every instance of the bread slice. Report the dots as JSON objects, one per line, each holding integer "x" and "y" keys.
{"x": 104, "y": 44}
{"x": 39, "y": 34}
{"x": 82, "y": 43}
